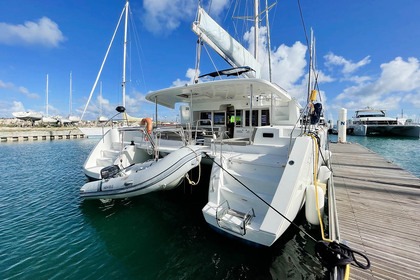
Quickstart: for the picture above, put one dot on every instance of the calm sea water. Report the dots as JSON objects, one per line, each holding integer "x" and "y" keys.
{"x": 48, "y": 232}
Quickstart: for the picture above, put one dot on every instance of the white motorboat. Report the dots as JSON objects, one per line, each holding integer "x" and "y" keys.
{"x": 265, "y": 155}
{"x": 141, "y": 178}
{"x": 369, "y": 121}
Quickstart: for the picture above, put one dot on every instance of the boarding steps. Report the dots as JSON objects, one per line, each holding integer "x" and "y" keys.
{"x": 233, "y": 220}
{"x": 108, "y": 156}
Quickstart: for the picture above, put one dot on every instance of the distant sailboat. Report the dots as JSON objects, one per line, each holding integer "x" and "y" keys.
{"x": 72, "y": 118}
{"x": 47, "y": 119}
{"x": 28, "y": 116}
{"x": 101, "y": 118}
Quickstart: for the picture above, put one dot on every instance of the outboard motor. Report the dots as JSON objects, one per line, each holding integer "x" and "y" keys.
{"x": 109, "y": 171}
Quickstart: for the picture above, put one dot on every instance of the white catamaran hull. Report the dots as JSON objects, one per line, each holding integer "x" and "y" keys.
{"x": 142, "y": 178}
{"x": 387, "y": 130}
{"x": 248, "y": 191}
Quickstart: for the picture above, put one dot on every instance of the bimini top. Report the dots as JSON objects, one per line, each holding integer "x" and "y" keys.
{"x": 370, "y": 112}
{"x": 219, "y": 90}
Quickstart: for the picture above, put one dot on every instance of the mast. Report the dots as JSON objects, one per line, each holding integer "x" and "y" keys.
{"x": 310, "y": 66}
{"x": 268, "y": 40}
{"x": 100, "y": 99}
{"x": 257, "y": 21}
{"x": 70, "y": 99}
{"x": 46, "y": 93}
{"x": 125, "y": 52}
{"x": 103, "y": 62}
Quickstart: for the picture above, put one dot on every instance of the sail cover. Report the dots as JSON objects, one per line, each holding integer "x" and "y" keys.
{"x": 226, "y": 46}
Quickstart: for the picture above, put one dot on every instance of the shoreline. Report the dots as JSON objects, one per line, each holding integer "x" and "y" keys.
{"x": 20, "y": 134}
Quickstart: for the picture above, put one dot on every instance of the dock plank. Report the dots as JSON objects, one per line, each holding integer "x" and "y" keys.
{"x": 378, "y": 205}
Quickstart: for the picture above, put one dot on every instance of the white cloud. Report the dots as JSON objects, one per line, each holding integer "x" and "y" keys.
{"x": 190, "y": 75}
{"x": 217, "y": 7}
{"x": 44, "y": 32}
{"x": 5, "y": 85}
{"x": 17, "y": 107}
{"x": 288, "y": 63}
{"x": 7, "y": 108}
{"x": 399, "y": 75}
{"x": 164, "y": 16}
{"x": 19, "y": 89}
{"x": 398, "y": 83}
{"x": 348, "y": 66}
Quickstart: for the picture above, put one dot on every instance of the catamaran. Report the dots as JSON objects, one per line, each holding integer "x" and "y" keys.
{"x": 264, "y": 148}
{"x": 370, "y": 121}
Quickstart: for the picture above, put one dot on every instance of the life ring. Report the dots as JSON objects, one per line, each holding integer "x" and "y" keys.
{"x": 149, "y": 124}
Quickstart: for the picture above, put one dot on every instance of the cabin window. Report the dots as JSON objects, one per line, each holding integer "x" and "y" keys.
{"x": 219, "y": 118}
{"x": 254, "y": 118}
{"x": 205, "y": 116}
{"x": 265, "y": 117}
{"x": 268, "y": 135}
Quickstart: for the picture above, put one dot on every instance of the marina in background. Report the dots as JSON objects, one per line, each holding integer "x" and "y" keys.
{"x": 17, "y": 134}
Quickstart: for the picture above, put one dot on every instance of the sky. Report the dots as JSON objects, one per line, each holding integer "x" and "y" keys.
{"x": 367, "y": 53}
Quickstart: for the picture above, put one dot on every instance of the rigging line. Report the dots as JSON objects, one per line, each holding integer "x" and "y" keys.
{"x": 312, "y": 134}
{"x": 212, "y": 62}
{"x": 103, "y": 63}
{"x": 303, "y": 23}
{"x": 316, "y": 152}
{"x": 307, "y": 43}
{"x": 260, "y": 198}
{"x": 139, "y": 49}
{"x": 234, "y": 23}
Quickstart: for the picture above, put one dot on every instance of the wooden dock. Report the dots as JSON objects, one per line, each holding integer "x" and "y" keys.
{"x": 35, "y": 134}
{"x": 378, "y": 205}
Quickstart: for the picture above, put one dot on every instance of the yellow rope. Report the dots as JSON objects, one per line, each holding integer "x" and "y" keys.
{"x": 316, "y": 188}
{"x": 347, "y": 270}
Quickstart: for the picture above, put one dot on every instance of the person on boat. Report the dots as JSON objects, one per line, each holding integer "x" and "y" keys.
{"x": 230, "y": 125}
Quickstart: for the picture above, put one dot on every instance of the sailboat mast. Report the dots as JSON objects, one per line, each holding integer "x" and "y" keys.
{"x": 268, "y": 40}
{"x": 46, "y": 93}
{"x": 70, "y": 99}
{"x": 103, "y": 62}
{"x": 125, "y": 52}
{"x": 310, "y": 66}
{"x": 100, "y": 99}
{"x": 256, "y": 27}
